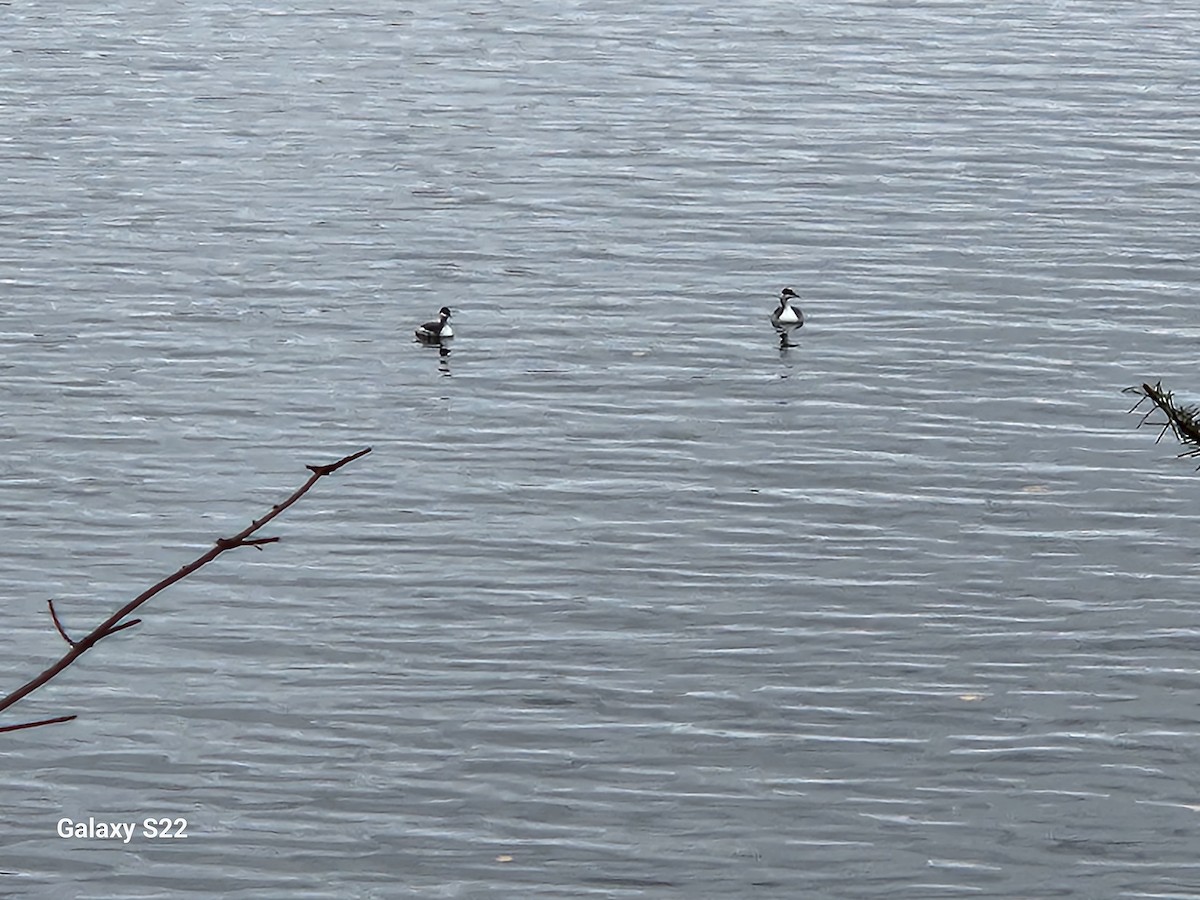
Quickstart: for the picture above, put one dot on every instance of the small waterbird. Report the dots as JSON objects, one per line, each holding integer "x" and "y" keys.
{"x": 436, "y": 332}
{"x": 786, "y": 315}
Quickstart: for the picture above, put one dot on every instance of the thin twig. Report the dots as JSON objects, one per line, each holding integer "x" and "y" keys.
{"x": 57, "y": 624}
{"x": 122, "y": 627}
{"x": 115, "y": 623}
{"x": 53, "y": 721}
{"x": 1183, "y": 421}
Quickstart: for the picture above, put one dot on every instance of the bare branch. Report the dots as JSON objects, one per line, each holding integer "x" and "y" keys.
{"x": 1183, "y": 421}
{"x": 115, "y": 622}
{"x": 333, "y": 467}
{"x": 122, "y": 627}
{"x": 53, "y": 721}
{"x": 230, "y": 543}
{"x": 57, "y": 624}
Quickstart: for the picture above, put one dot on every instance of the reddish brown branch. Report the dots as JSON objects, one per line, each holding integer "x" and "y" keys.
{"x": 57, "y": 624}
{"x": 115, "y": 622}
{"x": 230, "y": 543}
{"x": 329, "y": 470}
{"x": 53, "y": 721}
{"x": 122, "y": 627}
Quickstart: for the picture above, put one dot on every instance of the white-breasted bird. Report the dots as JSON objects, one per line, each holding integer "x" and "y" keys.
{"x": 436, "y": 332}
{"x": 786, "y": 315}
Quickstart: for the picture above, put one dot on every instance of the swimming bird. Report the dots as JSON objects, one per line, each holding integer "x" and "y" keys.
{"x": 787, "y": 316}
{"x": 436, "y": 332}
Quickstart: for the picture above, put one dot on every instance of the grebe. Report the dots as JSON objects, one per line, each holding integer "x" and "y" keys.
{"x": 436, "y": 332}
{"x": 787, "y": 316}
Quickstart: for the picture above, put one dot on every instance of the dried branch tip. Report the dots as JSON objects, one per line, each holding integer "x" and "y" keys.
{"x": 40, "y": 722}
{"x": 333, "y": 467}
{"x": 1183, "y": 421}
{"x": 58, "y": 624}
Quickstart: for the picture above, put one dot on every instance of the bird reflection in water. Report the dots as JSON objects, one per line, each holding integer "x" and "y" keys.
{"x": 785, "y": 338}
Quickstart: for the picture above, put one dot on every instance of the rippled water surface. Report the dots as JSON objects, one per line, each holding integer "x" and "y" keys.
{"x": 627, "y": 601}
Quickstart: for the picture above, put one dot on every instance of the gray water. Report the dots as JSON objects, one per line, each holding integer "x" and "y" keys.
{"x": 626, "y": 601}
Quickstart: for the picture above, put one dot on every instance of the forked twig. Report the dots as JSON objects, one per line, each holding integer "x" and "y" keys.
{"x": 117, "y": 621}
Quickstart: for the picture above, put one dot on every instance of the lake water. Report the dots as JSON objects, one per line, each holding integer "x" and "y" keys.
{"x": 627, "y": 601}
